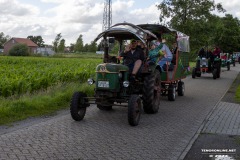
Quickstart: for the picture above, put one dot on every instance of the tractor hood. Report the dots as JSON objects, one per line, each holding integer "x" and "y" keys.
{"x": 111, "y": 68}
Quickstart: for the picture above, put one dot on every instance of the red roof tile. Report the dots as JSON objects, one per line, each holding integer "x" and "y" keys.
{"x": 26, "y": 41}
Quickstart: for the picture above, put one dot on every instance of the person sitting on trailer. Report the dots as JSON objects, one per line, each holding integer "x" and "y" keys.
{"x": 167, "y": 54}
{"x": 154, "y": 53}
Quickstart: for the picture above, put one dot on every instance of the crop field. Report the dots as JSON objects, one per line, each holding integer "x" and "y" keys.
{"x": 28, "y": 74}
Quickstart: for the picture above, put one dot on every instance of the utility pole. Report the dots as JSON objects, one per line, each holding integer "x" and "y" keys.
{"x": 107, "y": 15}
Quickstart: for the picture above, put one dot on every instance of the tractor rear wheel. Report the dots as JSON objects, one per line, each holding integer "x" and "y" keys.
{"x": 194, "y": 73}
{"x": 228, "y": 66}
{"x": 218, "y": 66}
{"x": 134, "y": 110}
{"x": 152, "y": 92}
{"x": 214, "y": 73}
{"x": 78, "y": 106}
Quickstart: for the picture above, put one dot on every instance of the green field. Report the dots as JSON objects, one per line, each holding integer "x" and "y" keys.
{"x": 35, "y": 86}
{"x": 29, "y": 74}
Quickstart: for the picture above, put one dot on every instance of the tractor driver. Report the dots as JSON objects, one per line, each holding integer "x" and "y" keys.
{"x": 133, "y": 57}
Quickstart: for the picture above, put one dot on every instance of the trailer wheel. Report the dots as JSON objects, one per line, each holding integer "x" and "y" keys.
{"x": 171, "y": 93}
{"x": 134, "y": 110}
{"x": 78, "y": 106}
{"x": 181, "y": 88}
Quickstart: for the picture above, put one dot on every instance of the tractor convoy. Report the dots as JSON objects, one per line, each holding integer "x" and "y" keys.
{"x": 113, "y": 85}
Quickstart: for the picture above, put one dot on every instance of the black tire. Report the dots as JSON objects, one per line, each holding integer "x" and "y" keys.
{"x": 171, "y": 93}
{"x": 194, "y": 73}
{"x": 181, "y": 88}
{"x": 228, "y": 66}
{"x": 198, "y": 74}
{"x": 198, "y": 64}
{"x": 134, "y": 110}
{"x": 104, "y": 108}
{"x": 218, "y": 67}
{"x": 152, "y": 92}
{"x": 78, "y": 106}
{"x": 214, "y": 73}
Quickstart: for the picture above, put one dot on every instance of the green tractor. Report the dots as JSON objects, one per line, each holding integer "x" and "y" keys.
{"x": 112, "y": 82}
{"x": 232, "y": 59}
{"x": 225, "y": 59}
{"x": 207, "y": 65}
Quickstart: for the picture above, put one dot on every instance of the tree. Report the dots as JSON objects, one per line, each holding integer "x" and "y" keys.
{"x": 227, "y": 34}
{"x": 92, "y": 47}
{"x": 79, "y": 44}
{"x": 19, "y": 50}
{"x": 115, "y": 48}
{"x": 37, "y": 39}
{"x": 56, "y": 42}
{"x": 192, "y": 17}
{"x": 71, "y": 47}
{"x": 181, "y": 12}
{"x": 3, "y": 39}
{"x": 86, "y": 48}
{"x": 61, "y": 46}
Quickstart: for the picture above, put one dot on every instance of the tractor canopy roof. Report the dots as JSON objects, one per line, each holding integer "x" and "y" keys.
{"x": 144, "y": 32}
{"x": 126, "y": 31}
{"x": 181, "y": 38}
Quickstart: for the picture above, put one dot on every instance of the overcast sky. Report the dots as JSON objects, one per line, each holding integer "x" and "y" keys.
{"x": 21, "y": 18}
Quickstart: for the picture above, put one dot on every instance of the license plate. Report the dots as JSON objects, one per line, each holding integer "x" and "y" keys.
{"x": 103, "y": 84}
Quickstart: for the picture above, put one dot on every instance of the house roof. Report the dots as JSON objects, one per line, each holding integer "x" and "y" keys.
{"x": 26, "y": 41}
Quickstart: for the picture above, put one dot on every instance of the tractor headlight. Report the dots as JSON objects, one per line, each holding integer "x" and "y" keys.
{"x": 90, "y": 81}
{"x": 126, "y": 84}
{"x": 120, "y": 75}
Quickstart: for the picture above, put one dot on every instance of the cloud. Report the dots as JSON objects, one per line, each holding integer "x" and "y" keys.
{"x": 17, "y": 9}
{"x": 232, "y": 7}
{"x": 74, "y": 17}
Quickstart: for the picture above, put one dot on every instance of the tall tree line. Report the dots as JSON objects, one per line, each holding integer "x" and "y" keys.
{"x": 196, "y": 19}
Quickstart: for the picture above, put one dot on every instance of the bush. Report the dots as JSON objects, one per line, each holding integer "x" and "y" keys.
{"x": 19, "y": 50}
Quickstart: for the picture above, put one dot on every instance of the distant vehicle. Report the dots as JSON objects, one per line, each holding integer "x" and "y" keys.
{"x": 204, "y": 65}
{"x": 237, "y": 56}
{"x": 225, "y": 59}
{"x": 99, "y": 52}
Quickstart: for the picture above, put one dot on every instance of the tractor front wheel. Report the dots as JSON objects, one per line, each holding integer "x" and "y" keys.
{"x": 78, "y": 106}
{"x": 134, "y": 110}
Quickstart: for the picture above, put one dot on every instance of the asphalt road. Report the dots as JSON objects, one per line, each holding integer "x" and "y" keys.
{"x": 103, "y": 135}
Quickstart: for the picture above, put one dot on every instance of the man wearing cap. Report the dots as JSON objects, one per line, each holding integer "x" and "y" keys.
{"x": 133, "y": 57}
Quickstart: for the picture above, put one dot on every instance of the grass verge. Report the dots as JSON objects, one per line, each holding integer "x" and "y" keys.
{"x": 42, "y": 103}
